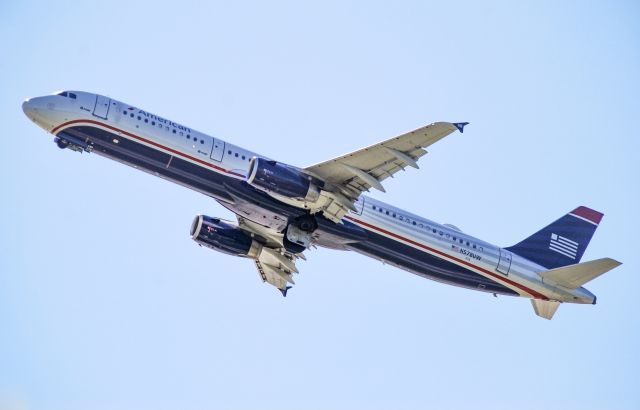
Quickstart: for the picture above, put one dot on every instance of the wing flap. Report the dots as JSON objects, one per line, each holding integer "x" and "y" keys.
{"x": 267, "y": 274}
{"x": 275, "y": 265}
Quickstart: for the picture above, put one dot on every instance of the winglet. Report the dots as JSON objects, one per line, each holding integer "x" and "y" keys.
{"x": 284, "y": 291}
{"x": 460, "y": 126}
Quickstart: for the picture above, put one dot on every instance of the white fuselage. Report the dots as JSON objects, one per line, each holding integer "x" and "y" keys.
{"x": 123, "y": 122}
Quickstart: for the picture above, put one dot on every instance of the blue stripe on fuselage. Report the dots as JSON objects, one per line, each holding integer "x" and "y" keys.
{"x": 224, "y": 187}
{"x": 424, "y": 264}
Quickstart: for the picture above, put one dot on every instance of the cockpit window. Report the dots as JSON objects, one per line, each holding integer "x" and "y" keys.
{"x": 67, "y": 94}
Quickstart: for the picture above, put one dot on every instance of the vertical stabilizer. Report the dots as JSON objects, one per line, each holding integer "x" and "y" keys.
{"x": 563, "y": 242}
{"x": 545, "y": 308}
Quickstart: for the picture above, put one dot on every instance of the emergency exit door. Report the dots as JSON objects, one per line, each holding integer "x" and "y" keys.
{"x": 217, "y": 151}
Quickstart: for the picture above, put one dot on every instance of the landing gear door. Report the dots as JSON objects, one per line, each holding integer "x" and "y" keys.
{"x": 504, "y": 263}
{"x": 101, "y": 109}
{"x": 217, "y": 151}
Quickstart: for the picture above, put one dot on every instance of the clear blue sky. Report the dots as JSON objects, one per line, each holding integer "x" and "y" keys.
{"x": 106, "y": 303}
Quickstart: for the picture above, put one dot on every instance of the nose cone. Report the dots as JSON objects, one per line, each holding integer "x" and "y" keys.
{"x": 34, "y": 108}
{"x": 40, "y": 110}
{"x": 28, "y": 107}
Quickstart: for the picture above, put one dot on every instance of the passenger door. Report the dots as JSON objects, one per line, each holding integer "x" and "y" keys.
{"x": 101, "y": 109}
{"x": 504, "y": 262}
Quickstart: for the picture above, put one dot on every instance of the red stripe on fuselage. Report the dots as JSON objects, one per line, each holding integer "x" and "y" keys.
{"x": 446, "y": 256}
{"x": 150, "y": 142}
{"x": 181, "y": 154}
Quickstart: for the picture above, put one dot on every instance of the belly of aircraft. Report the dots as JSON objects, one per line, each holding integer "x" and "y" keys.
{"x": 237, "y": 196}
{"x": 425, "y": 264}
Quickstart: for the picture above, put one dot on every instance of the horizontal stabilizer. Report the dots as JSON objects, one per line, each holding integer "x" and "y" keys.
{"x": 545, "y": 308}
{"x": 573, "y": 276}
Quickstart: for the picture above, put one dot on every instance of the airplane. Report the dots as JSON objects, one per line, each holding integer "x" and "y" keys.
{"x": 283, "y": 210}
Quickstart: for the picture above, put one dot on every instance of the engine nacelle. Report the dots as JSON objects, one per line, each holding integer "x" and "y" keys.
{"x": 282, "y": 179}
{"x": 222, "y": 236}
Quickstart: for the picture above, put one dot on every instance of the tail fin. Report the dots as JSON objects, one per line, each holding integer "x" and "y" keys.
{"x": 563, "y": 242}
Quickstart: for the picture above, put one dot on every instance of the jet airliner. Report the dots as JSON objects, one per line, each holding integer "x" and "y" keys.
{"x": 283, "y": 210}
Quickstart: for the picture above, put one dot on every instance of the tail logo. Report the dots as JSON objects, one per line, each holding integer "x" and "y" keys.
{"x": 563, "y": 245}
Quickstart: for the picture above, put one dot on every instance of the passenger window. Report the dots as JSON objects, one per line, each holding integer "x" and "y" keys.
{"x": 131, "y": 115}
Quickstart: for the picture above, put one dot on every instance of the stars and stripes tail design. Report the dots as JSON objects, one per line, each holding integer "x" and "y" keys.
{"x": 563, "y": 246}
{"x": 563, "y": 242}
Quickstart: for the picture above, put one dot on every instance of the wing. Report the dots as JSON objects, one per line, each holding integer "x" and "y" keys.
{"x": 275, "y": 264}
{"x": 346, "y": 177}
{"x": 360, "y": 170}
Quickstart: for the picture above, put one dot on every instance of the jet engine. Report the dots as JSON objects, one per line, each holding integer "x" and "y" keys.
{"x": 222, "y": 236}
{"x": 282, "y": 179}
{"x": 295, "y": 187}
{"x": 274, "y": 266}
